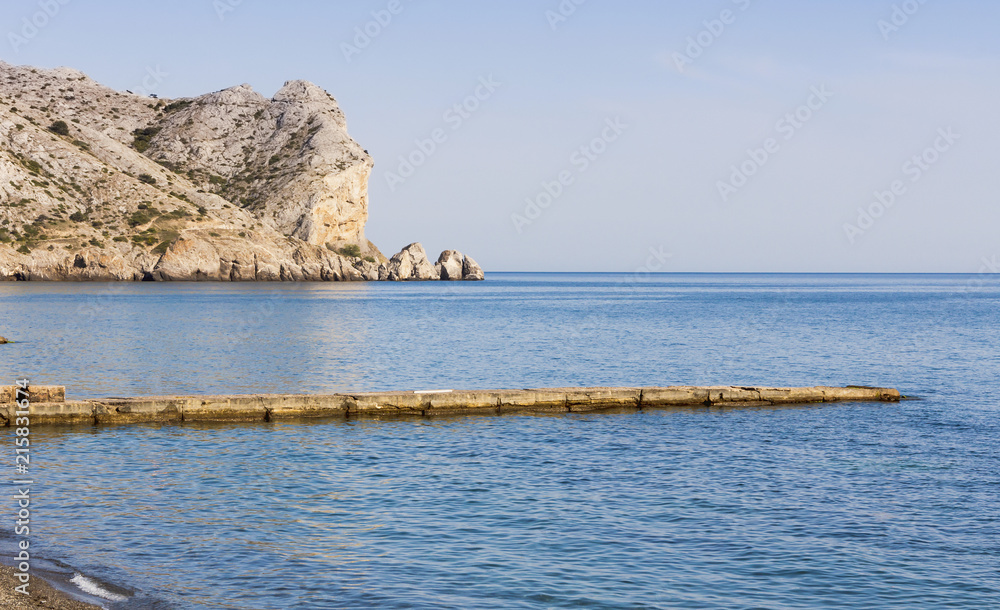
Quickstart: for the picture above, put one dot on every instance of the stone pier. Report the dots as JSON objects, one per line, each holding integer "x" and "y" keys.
{"x": 48, "y": 404}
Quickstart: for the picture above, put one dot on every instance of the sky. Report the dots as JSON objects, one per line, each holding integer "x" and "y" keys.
{"x": 629, "y": 136}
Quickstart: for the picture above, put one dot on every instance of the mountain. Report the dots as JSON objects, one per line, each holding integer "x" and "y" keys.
{"x": 98, "y": 184}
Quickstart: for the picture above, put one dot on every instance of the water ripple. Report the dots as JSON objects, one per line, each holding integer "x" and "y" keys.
{"x": 852, "y": 506}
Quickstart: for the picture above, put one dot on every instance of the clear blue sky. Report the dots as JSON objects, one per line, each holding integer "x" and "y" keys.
{"x": 662, "y": 180}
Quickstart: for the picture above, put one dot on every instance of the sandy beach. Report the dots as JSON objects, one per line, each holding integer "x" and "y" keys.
{"x": 42, "y": 594}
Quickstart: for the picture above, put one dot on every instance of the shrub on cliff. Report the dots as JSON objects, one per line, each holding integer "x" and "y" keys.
{"x": 32, "y": 166}
{"x": 148, "y": 239}
{"x": 172, "y": 106}
{"x": 142, "y": 138}
{"x": 138, "y": 218}
{"x": 351, "y": 250}
{"x": 59, "y": 128}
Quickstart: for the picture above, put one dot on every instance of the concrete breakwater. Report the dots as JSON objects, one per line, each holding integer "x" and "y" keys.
{"x": 48, "y": 405}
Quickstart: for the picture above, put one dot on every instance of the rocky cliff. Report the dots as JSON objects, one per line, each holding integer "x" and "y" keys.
{"x": 97, "y": 184}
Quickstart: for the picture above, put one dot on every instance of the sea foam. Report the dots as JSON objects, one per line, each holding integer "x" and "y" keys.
{"x": 92, "y": 588}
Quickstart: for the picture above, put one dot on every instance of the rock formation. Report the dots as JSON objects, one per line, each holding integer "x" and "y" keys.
{"x": 412, "y": 264}
{"x": 471, "y": 270}
{"x": 453, "y": 265}
{"x": 97, "y": 184}
{"x": 449, "y": 265}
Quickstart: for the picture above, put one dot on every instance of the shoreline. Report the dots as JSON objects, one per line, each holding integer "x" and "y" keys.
{"x": 41, "y": 594}
{"x": 48, "y": 404}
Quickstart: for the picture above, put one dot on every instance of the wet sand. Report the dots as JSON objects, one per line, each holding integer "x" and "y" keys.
{"x": 42, "y": 595}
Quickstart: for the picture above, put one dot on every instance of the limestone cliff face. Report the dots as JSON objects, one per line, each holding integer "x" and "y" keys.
{"x": 97, "y": 184}
{"x": 288, "y": 160}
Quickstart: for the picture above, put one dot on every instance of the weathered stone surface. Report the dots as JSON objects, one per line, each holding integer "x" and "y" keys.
{"x": 826, "y": 394}
{"x": 52, "y": 393}
{"x": 225, "y": 408}
{"x": 449, "y": 265}
{"x": 76, "y": 412}
{"x": 411, "y": 264}
{"x": 133, "y": 411}
{"x": 191, "y": 258}
{"x": 590, "y": 399}
{"x": 674, "y": 396}
{"x": 86, "y": 264}
{"x": 381, "y": 404}
{"x": 471, "y": 270}
{"x": 453, "y": 265}
{"x": 36, "y": 393}
{"x": 292, "y": 407}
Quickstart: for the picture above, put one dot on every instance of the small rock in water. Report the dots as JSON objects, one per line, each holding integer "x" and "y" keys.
{"x": 2, "y": 340}
{"x": 449, "y": 265}
{"x": 412, "y": 264}
{"x": 471, "y": 270}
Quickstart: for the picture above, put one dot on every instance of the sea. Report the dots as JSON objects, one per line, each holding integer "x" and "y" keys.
{"x": 818, "y": 506}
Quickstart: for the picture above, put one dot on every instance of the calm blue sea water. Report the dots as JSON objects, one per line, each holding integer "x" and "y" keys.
{"x": 847, "y": 505}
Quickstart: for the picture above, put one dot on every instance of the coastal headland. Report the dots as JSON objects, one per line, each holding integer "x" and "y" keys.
{"x": 105, "y": 185}
{"x": 48, "y": 404}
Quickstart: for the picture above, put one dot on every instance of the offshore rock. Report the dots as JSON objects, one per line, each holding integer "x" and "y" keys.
{"x": 449, "y": 265}
{"x": 452, "y": 265}
{"x": 471, "y": 270}
{"x": 411, "y": 264}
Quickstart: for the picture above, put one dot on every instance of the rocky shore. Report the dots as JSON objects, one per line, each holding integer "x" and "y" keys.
{"x": 104, "y": 185}
{"x": 193, "y": 258}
